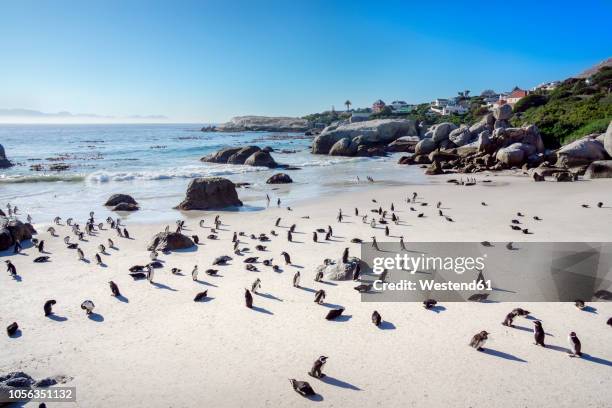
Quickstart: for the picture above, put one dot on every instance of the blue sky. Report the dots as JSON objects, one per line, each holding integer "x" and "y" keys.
{"x": 207, "y": 61}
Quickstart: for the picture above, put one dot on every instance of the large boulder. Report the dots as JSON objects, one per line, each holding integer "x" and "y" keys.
{"x": 502, "y": 112}
{"x": 4, "y": 163}
{"x": 6, "y": 239}
{"x": 486, "y": 123}
{"x": 526, "y": 135}
{"x": 403, "y": 144}
{"x": 441, "y": 131}
{"x": 580, "y": 152}
{"x": 221, "y": 156}
{"x": 241, "y": 155}
{"x": 343, "y": 147}
{"x": 170, "y": 241}
{"x": 376, "y": 131}
{"x": 599, "y": 169}
{"x": 513, "y": 155}
{"x": 12, "y": 230}
{"x": 462, "y": 136}
{"x": 261, "y": 159}
{"x": 425, "y": 146}
{"x": 339, "y": 271}
{"x": 125, "y": 207}
{"x": 210, "y": 193}
{"x": 434, "y": 168}
{"x": 608, "y": 140}
{"x": 116, "y": 199}
{"x": 279, "y": 178}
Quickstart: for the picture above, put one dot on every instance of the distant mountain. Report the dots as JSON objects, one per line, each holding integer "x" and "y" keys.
{"x": 26, "y": 115}
{"x": 594, "y": 69}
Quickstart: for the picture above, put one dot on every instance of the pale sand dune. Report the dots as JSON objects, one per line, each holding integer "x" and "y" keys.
{"x": 158, "y": 348}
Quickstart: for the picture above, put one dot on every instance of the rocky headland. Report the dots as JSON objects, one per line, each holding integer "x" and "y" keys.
{"x": 260, "y": 124}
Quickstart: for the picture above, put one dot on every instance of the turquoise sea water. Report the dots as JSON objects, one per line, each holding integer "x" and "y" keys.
{"x": 155, "y": 163}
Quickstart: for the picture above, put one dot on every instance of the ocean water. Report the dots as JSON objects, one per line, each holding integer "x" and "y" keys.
{"x": 155, "y": 163}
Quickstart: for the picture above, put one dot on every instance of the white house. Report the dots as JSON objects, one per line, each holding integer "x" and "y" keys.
{"x": 401, "y": 107}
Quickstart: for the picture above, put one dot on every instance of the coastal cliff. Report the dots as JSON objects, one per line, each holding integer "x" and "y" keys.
{"x": 260, "y": 124}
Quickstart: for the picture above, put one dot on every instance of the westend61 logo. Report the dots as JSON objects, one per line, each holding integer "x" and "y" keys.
{"x": 488, "y": 271}
{"x": 413, "y": 264}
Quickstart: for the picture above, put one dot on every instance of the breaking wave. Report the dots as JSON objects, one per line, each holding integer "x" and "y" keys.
{"x": 41, "y": 178}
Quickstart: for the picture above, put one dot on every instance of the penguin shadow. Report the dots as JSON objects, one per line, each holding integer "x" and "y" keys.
{"x": 527, "y": 329}
{"x": 590, "y": 309}
{"x": 122, "y": 299}
{"x": 16, "y": 335}
{"x": 314, "y": 398}
{"x": 87, "y": 261}
{"x": 57, "y": 318}
{"x": 193, "y": 248}
{"x": 503, "y": 290}
{"x": 501, "y": 354}
{"x": 96, "y": 317}
{"x": 261, "y": 310}
{"x": 339, "y": 383}
{"x": 103, "y": 265}
{"x": 297, "y": 266}
{"x": 437, "y": 309}
{"x": 206, "y": 299}
{"x": 162, "y": 286}
{"x": 328, "y": 283}
{"x": 385, "y": 325}
{"x": 597, "y": 360}
{"x": 268, "y": 296}
{"x": 558, "y": 348}
{"x": 311, "y": 290}
{"x": 331, "y": 305}
{"x": 17, "y": 278}
{"x": 342, "y": 318}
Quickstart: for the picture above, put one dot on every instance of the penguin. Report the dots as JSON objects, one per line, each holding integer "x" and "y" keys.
{"x": 508, "y": 320}
{"x": 251, "y": 259}
{"x": 289, "y": 236}
{"x": 88, "y": 306}
{"x": 194, "y": 273}
{"x": 429, "y": 303}
{"x": 276, "y": 268}
{"x": 138, "y": 275}
{"x": 537, "y": 218}
{"x": 10, "y": 268}
{"x": 126, "y": 233}
{"x": 196, "y": 239}
{"x": 386, "y": 230}
{"x": 12, "y": 329}
{"x": 356, "y": 212}
{"x": 319, "y": 276}
{"x": 319, "y": 296}
{"x": 357, "y": 272}
{"x": 402, "y": 244}
{"x": 98, "y": 259}
{"x": 119, "y": 232}
{"x": 296, "y": 280}
{"x": 334, "y": 313}
{"x": 111, "y": 244}
{"x": 585, "y": 206}
{"x": 609, "y": 322}
{"x": 449, "y": 219}
{"x": 150, "y": 273}
{"x": 317, "y": 366}
{"x": 479, "y": 340}
{"x": 363, "y": 288}
{"x": 48, "y": 307}
{"x": 526, "y": 231}
{"x": 175, "y": 271}
{"x": 41, "y": 246}
{"x": 51, "y": 231}
{"x": 575, "y": 345}
{"x": 248, "y": 298}
{"x": 102, "y": 248}
{"x": 376, "y": 318}
{"x": 114, "y": 289}
{"x": 200, "y": 296}
{"x": 41, "y": 259}
{"x": 375, "y": 244}
{"x": 301, "y": 387}
{"x": 599, "y": 204}
{"x": 383, "y": 275}
{"x": 80, "y": 254}
{"x": 345, "y": 255}
{"x": 579, "y": 303}
{"x": 520, "y": 312}
{"x": 211, "y": 272}
{"x": 256, "y": 285}
{"x": 509, "y": 246}
{"x": 538, "y": 332}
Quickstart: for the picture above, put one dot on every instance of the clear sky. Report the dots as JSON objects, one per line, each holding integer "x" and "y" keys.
{"x": 207, "y": 61}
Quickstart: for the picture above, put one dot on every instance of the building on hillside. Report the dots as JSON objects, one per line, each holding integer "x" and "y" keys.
{"x": 401, "y": 107}
{"x": 516, "y": 95}
{"x": 548, "y": 86}
{"x": 446, "y": 107}
{"x": 378, "y": 106}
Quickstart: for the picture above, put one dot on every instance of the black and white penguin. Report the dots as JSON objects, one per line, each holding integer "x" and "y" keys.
{"x": 289, "y": 236}
{"x": 200, "y": 296}
{"x": 579, "y": 303}
{"x": 376, "y": 318}
{"x": 375, "y": 244}
{"x": 357, "y": 272}
{"x": 520, "y": 312}
{"x": 10, "y": 268}
{"x": 256, "y": 285}
{"x": 88, "y": 306}
{"x": 317, "y": 367}
{"x": 301, "y": 387}
{"x": 111, "y": 244}
{"x": 98, "y": 259}
{"x": 48, "y": 307}
{"x": 211, "y": 272}
{"x": 319, "y": 296}
{"x": 538, "y": 333}
{"x": 334, "y": 313}
{"x": 345, "y": 255}
{"x": 386, "y": 230}
{"x": 12, "y": 329}
{"x": 429, "y": 303}
{"x": 196, "y": 239}
{"x": 508, "y": 320}
{"x": 296, "y": 280}
{"x": 80, "y": 254}
{"x": 41, "y": 246}
{"x": 609, "y": 322}
{"x": 315, "y": 238}
{"x": 114, "y": 289}
{"x": 150, "y": 273}
{"x": 479, "y": 340}
{"x": 575, "y": 345}
{"x": 319, "y": 276}
{"x": 194, "y": 273}
{"x": 126, "y": 233}
{"x": 287, "y": 258}
{"x": 41, "y": 259}
{"x": 248, "y": 298}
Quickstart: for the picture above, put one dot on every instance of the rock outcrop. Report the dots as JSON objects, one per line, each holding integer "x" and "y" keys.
{"x": 12, "y": 230}
{"x": 582, "y": 151}
{"x": 261, "y": 124}
{"x": 210, "y": 193}
{"x": 599, "y": 169}
{"x": 607, "y": 140}
{"x": 369, "y": 133}
{"x": 125, "y": 207}
{"x": 221, "y": 156}
{"x": 241, "y": 156}
{"x": 248, "y": 155}
{"x": 170, "y": 241}
{"x": 261, "y": 159}
{"x": 403, "y": 144}
{"x": 117, "y": 199}
{"x": 338, "y": 270}
{"x": 279, "y": 178}
{"x": 4, "y": 163}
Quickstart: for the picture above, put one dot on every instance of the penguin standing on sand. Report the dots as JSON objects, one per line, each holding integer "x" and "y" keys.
{"x": 357, "y": 272}
{"x": 48, "y": 307}
{"x": 88, "y": 306}
{"x": 319, "y": 296}
{"x": 248, "y": 298}
{"x": 317, "y": 367}
{"x": 479, "y": 340}
{"x": 10, "y": 268}
{"x": 150, "y": 274}
{"x": 319, "y": 278}
{"x": 98, "y": 259}
{"x": 114, "y": 289}
{"x": 575, "y": 345}
{"x": 80, "y": 254}
{"x": 12, "y": 329}
{"x": 538, "y": 333}
{"x": 256, "y": 285}
{"x": 315, "y": 238}
{"x": 194, "y": 273}
{"x": 375, "y": 244}
{"x": 345, "y": 255}
{"x": 126, "y": 233}
{"x": 289, "y": 236}
{"x": 287, "y": 258}
{"x": 402, "y": 245}
{"x": 509, "y": 319}
{"x": 376, "y": 318}
{"x": 41, "y": 246}
{"x": 296, "y": 280}
{"x": 386, "y": 230}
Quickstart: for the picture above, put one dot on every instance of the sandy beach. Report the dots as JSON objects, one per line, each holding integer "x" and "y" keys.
{"x": 156, "y": 347}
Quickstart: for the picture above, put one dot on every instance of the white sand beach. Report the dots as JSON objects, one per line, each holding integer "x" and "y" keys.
{"x": 159, "y": 348}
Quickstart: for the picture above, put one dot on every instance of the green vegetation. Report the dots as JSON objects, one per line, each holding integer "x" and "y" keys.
{"x": 574, "y": 109}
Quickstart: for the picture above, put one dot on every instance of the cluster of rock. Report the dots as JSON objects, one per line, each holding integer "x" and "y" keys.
{"x": 122, "y": 202}
{"x": 4, "y": 163}
{"x": 210, "y": 193}
{"x": 13, "y": 230}
{"x": 338, "y": 270}
{"x": 369, "y": 138}
{"x": 18, "y": 380}
{"x": 170, "y": 241}
{"x": 279, "y": 178}
{"x": 249, "y": 156}
{"x": 260, "y": 124}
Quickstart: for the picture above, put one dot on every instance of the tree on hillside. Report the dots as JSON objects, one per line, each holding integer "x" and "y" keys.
{"x": 348, "y": 105}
